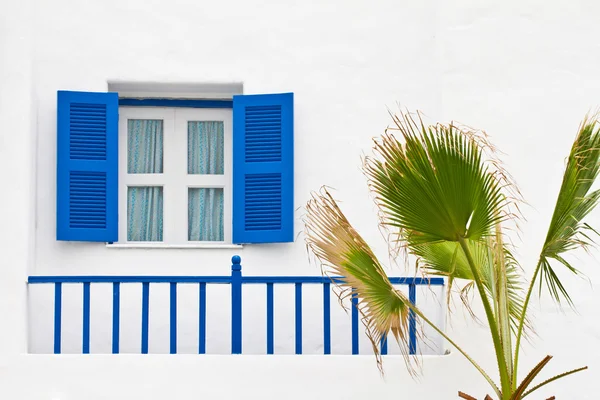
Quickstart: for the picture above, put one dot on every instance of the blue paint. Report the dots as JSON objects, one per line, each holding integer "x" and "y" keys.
{"x": 87, "y": 166}
{"x": 202, "y": 319}
{"x": 236, "y": 305}
{"x": 173, "y": 319}
{"x": 57, "y": 316}
{"x": 86, "y": 319}
{"x": 186, "y": 103}
{"x": 323, "y": 280}
{"x": 129, "y": 279}
{"x": 298, "y": 318}
{"x": 217, "y": 279}
{"x": 354, "y": 324}
{"x": 327, "y": 318}
{"x": 116, "y": 317}
{"x": 383, "y": 345}
{"x": 270, "y": 324}
{"x": 263, "y": 168}
{"x": 236, "y": 280}
{"x": 412, "y": 325}
{"x": 145, "y": 315}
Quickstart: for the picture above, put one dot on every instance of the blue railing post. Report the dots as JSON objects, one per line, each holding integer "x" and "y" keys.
{"x": 236, "y": 305}
{"x": 57, "y": 316}
{"x": 412, "y": 323}
{"x": 355, "y": 331}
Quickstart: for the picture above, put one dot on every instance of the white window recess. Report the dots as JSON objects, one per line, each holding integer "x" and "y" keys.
{"x": 175, "y": 179}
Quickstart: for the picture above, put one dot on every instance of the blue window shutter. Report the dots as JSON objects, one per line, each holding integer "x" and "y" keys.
{"x": 87, "y": 166}
{"x": 263, "y": 168}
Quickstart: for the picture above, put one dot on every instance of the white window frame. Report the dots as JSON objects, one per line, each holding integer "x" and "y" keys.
{"x": 175, "y": 180}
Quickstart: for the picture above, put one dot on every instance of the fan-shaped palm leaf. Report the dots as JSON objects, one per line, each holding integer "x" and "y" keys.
{"x": 343, "y": 253}
{"x": 434, "y": 185}
{"x": 445, "y": 200}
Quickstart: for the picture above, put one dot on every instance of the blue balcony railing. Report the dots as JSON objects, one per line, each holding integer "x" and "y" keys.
{"x": 237, "y": 281}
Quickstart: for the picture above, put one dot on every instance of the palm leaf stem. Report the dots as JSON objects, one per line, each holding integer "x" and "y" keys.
{"x": 505, "y": 382}
{"x": 552, "y": 380}
{"x": 457, "y": 347}
{"x": 522, "y": 324}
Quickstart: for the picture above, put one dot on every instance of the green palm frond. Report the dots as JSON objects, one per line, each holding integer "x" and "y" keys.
{"x": 567, "y": 230}
{"x": 445, "y": 200}
{"x": 434, "y": 186}
{"x": 343, "y": 252}
{"x": 575, "y": 201}
{"x": 446, "y": 259}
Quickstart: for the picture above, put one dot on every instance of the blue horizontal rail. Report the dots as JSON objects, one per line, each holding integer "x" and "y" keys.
{"x": 129, "y": 279}
{"x": 217, "y": 279}
{"x": 189, "y": 103}
{"x": 236, "y": 280}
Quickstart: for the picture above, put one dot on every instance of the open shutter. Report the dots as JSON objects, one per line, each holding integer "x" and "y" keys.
{"x": 87, "y": 167}
{"x": 263, "y": 168}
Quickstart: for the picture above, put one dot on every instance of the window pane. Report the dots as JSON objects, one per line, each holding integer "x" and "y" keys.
{"x": 205, "y": 147}
{"x": 145, "y": 214}
{"x": 144, "y": 146}
{"x": 205, "y": 214}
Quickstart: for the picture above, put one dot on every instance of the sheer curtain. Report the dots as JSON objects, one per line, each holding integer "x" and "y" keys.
{"x": 145, "y": 203}
{"x": 206, "y": 157}
{"x": 205, "y": 214}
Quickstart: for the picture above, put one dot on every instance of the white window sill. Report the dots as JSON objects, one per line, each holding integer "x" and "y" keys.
{"x": 173, "y": 246}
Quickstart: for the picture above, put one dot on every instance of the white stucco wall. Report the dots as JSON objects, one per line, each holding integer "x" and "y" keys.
{"x": 219, "y": 45}
{"x": 525, "y": 71}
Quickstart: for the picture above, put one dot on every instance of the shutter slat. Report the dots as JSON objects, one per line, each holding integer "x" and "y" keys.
{"x": 263, "y": 168}
{"x": 87, "y": 162}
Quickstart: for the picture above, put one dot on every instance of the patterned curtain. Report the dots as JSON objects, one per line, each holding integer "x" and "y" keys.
{"x": 145, "y": 214}
{"x": 205, "y": 147}
{"x": 145, "y": 204}
{"x": 206, "y": 157}
{"x": 205, "y": 214}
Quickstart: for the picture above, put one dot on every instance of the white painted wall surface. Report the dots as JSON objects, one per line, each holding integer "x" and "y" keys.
{"x": 337, "y": 111}
{"x": 525, "y": 71}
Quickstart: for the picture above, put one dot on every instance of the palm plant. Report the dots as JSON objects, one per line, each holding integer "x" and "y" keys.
{"x": 446, "y": 199}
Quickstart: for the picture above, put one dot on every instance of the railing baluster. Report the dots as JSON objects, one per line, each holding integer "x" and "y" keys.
{"x": 236, "y": 305}
{"x": 116, "y": 317}
{"x": 86, "y": 319}
{"x": 270, "y": 328}
{"x": 412, "y": 326}
{"x": 173, "y": 319}
{"x": 202, "y": 321}
{"x": 57, "y": 316}
{"x": 145, "y": 315}
{"x": 354, "y": 323}
{"x": 236, "y": 282}
{"x": 327, "y": 318}
{"x": 383, "y": 345}
{"x": 298, "y": 318}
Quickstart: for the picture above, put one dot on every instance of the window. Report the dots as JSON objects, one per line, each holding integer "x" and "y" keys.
{"x": 175, "y": 175}
{"x": 182, "y": 172}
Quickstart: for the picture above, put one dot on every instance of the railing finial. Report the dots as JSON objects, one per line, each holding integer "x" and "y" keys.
{"x": 236, "y": 263}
